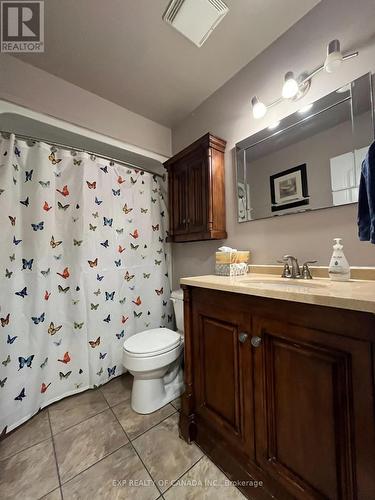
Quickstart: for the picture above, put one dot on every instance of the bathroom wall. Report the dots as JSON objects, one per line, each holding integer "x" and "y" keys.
{"x": 31, "y": 87}
{"x": 227, "y": 113}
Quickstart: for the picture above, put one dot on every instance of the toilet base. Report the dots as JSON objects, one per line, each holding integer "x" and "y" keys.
{"x": 149, "y": 395}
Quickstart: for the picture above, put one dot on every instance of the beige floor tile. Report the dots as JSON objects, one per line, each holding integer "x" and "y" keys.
{"x": 135, "y": 424}
{"x": 111, "y": 479}
{"x": 84, "y": 444}
{"x": 54, "y": 495}
{"x": 118, "y": 389}
{"x": 32, "y": 432}
{"x": 177, "y": 403}
{"x": 75, "y": 409}
{"x": 166, "y": 456}
{"x": 204, "y": 480}
{"x": 29, "y": 474}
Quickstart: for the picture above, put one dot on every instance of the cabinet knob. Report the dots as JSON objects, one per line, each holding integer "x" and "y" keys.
{"x": 256, "y": 341}
{"x": 242, "y": 337}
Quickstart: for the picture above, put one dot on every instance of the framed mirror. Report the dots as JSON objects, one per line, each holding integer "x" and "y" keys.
{"x": 309, "y": 160}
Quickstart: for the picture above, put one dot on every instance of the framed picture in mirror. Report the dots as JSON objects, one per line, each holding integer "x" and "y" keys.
{"x": 289, "y": 188}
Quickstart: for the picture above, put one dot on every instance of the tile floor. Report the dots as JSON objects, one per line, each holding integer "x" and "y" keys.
{"x": 93, "y": 446}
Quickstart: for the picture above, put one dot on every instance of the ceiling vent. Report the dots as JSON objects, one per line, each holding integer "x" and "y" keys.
{"x": 195, "y": 19}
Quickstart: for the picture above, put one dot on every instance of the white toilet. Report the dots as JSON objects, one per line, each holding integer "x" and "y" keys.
{"x": 154, "y": 357}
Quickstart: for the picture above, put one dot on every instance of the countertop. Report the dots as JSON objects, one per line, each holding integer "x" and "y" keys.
{"x": 356, "y": 295}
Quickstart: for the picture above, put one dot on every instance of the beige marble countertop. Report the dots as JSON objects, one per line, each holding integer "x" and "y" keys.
{"x": 357, "y": 295}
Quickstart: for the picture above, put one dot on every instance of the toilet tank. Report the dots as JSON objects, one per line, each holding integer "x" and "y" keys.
{"x": 177, "y": 297}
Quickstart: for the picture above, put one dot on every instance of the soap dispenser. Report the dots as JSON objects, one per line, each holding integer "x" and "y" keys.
{"x": 339, "y": 269}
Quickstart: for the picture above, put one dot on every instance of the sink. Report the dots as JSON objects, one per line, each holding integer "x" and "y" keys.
{"x": 283, "y": 282}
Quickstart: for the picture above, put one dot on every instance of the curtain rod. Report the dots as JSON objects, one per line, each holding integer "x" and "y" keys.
{"x": 72, "y": 148}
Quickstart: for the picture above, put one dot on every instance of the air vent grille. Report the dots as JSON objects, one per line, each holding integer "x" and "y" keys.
{"x": 172, "y": 10}
{"x": 195, "y": 19}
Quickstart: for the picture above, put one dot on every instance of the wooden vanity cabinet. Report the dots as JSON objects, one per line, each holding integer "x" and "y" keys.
{"x": 282, "y": 393}
{"x": 196, "y": 188}
{"x": 223, "y": 374}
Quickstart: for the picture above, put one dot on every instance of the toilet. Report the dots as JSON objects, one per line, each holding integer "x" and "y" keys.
{"x": 154, "y": 357}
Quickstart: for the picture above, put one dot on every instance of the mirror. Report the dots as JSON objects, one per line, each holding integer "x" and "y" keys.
{"x": 310, "y": 159}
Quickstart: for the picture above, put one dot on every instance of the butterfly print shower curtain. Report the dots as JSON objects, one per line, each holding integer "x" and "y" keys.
{"x": 83, "y": 266}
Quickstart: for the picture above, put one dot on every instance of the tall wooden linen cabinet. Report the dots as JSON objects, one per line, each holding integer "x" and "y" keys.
{"x": 197, "y": 191}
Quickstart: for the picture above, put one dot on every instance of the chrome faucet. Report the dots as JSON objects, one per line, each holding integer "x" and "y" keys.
{"x": 292, "y": 270}
{"x": 292, "y": 261}
{"x": 306, "y": 274}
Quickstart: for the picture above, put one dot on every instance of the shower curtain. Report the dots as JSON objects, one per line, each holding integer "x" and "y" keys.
{"x": 83, "y": 265}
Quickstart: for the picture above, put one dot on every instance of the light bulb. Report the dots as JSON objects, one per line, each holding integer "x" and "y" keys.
{"x": 305, "y": 109}
{"x": 259, "y": 108}
{"x": 334, "y": 56}
{"x": 290, "y": 87}
{"x": 344, "y": 89}
{"x": 274, "y": 125}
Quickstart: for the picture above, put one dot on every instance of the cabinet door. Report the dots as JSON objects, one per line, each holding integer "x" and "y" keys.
{"x": 179, "y": 212}
{"x": 198, "y": 192}
{"x": 314, "y": 416}
{"x": 223, "y": 375}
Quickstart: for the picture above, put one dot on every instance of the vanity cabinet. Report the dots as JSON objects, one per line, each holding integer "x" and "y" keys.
{"x": 281, "y": 393}
{"x": 197, "y": 192}
{"x": 223, "y": 374}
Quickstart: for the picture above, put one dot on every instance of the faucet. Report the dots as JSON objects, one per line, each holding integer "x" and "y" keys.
{"x": 292, "y": 262}
{"x": 306, "y": 274}
{"x": 292, "y": 269}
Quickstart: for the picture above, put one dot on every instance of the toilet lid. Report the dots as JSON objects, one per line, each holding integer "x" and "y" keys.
{"x": 155, "y": 341}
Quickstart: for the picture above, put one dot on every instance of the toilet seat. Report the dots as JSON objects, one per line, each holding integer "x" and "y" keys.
{"x": 152, "y": 342}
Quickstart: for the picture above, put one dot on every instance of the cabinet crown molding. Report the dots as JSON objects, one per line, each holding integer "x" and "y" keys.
{"x": 206, "y": 141}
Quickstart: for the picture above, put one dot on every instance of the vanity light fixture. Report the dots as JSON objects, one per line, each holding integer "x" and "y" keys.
{"x": 259, "y": 108}
{"x": 334, "y": 57}
{"x": 290, "y": 87}
{"x": 296, "y": 88}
